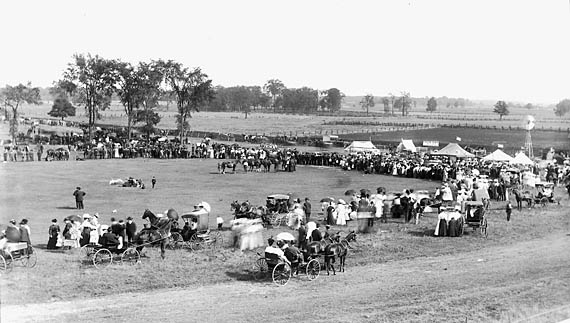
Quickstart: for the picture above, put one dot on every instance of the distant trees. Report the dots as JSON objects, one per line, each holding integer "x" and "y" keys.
{"x": 431, "y": 104}
{"x": 562, "y": 107}
{"x": 14, "y": 97}
{"x": 302, "y": 100}
{"x": 331, "y": 100}
{"x": 386, "y": 103}
{"x": 62, "y": 108}
{"x": 404, "y": 103}
{"x": 501, "y": 109}
{"x": 275, "y": 88}
{"x": 367, "y": 102}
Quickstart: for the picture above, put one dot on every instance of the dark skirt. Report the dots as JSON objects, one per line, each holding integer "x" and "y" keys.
{"x": 52, "y": 242}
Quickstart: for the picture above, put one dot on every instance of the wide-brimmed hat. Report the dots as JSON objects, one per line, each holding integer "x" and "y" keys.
{"x": 86, "y": 216}
{"x": 24, "y": 221}
{"x": 13, "y": 221}
{"x": 129, "y": 218}
{"x": 341, "y": 201}
{"x": 104, "y": 227}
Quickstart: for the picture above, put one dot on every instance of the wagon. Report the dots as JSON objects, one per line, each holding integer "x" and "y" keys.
{"x": 545, "y": 193}
{"x": 204, "y": 238}
{"x": 281, "y": 271}
{"x": 17, "y": 252}
{"x": 278, "y": 209}
{"x": 101, "y": 256}
{"x": 475, "y": 217}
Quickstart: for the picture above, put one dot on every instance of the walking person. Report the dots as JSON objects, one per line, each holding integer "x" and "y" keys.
{"x": 131, "y": 229}
{"x": 153, "y": 181}
{"x": 509, "y": 210}
{"x": 79, "y": 194}
{"x": 53, "y": 234}
{"x": 307, "y": 209}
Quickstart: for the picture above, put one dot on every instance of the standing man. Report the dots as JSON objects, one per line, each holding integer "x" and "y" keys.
{"x": 131, "y": 229}
{"x": 79, "y": 194}
{"x": 153, "y": 181}
{"x": 307, "y": 209}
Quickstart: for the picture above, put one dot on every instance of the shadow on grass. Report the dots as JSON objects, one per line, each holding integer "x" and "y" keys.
{"x": 247, "y": 275}
{"x": 422, "y": 233}
{"x": 66, "y": 207}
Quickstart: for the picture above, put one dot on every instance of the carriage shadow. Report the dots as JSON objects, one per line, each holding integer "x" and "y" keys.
{"x": 245, "y": 275}
{"x": 66, "y": 207}
{"x": 422, "y": 233}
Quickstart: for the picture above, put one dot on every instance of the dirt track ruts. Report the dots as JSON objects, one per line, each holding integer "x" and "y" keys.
{"x": 480, "y": 285}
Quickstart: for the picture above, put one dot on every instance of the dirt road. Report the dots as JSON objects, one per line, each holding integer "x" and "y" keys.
{"x": 483, "y": 285}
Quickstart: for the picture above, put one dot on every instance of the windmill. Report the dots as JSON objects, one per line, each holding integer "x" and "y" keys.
{"x": 528, "y": 140}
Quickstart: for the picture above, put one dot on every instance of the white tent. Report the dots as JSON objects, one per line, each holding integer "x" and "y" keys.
{"x": 498, "y": 155}
{"x": 406, "y": 145}
{"x": 522, "y": 159}
{"x": 454, "y": 150}
{"x": 362, "y": 146}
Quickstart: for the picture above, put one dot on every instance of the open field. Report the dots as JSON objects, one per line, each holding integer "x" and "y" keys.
{"x": 401, "y": 273}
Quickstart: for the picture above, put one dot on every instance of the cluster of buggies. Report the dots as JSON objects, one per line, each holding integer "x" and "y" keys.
{"x": 17, "y": 252}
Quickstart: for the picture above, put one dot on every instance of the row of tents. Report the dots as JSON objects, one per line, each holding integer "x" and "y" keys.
{"x": 451, "y": 150}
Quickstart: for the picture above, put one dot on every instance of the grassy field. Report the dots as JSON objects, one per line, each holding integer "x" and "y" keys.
{"x": 42, "y": 191}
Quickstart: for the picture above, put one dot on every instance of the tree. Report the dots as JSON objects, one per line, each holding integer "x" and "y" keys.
{"x": 529, "y": 106}
{"x": 501, "y": 109}
{"x": 192, "y": 89}
{"x": 302, "y": 100}
{"x": 149, "y": 119}
{"x": 275, "y": 88}
{"x": 403, "y": 103}
{"x": 367, "y": 102}
{"x": 62, "y": 108}
{"x": 14, "y": 97}
{"x": 91, "y": 79}
{"x": 386, "y": 103}
{"x": 431, "y": 104}
{"x": 331, "y": 100}
{"x": 562, "y": 107}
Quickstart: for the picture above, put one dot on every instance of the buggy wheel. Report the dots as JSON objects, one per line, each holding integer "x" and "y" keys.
{"x": 102, "y": 258}
{"x": 484, "y": 228}
{"x": 313, "y": 269}
{"x": 281, "y": 274}
{"x": 216, "y": 239}
{"x": 29, "y": 257}
{"x": 175, "y": 241}
{"x": 130, "y": 256}
{"x": 85, "y": 253}
{"x": 260, "y": 269}
{"x": 5, "y": 263}
{"x": 196, "y": 243}
{"x": 276, "y": 221}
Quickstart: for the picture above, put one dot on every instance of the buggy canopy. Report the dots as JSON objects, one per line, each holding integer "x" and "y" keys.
{"x": 453, "y": 149}
{"x": 362, "y": 146}
{"x": 522, "y": 159}
{"x": 498, "y": 155}
{"x": 406, "y": 145}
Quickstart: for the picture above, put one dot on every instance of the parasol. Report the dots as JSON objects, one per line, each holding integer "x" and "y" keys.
{"x": 74, "y": 218}
{"x": 162, "y": 139}
{"x": 171, "y": 213}
{"x": 285, "y": 236}
{"x": 350, "y": 192}
{"x": 327, "y": 199}
{"x": 206, "y": 206}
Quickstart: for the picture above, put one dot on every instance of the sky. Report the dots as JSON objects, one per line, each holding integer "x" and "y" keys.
{"x": 516, "y": 50}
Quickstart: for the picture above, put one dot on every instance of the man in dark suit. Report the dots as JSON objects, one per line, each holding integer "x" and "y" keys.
{"x": 79, "y": 194}
{"x": 316, "y": 234}
{"x": 307, "y": 209}
{"x": 302, "y": 236}
{"x": 131, "y": 229}
{"x": 108, "y": 239}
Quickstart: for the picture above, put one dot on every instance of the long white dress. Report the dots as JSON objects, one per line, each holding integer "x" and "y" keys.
{"x": 340, "y": 214}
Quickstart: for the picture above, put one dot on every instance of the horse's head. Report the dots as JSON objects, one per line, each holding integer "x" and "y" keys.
{"x": 234, "y": 205}
{"x": 148, "y": 215}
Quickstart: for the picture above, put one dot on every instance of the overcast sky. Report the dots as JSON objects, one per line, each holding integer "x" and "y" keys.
{"x": 479, "y": 49}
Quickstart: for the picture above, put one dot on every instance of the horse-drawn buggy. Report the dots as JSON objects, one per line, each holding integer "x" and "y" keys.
{"x": 542, "y": 194}
{"x": 101, "y": 256}
{"x": 475, "y": 217}
{"x": 281, "y": 264}
{"x": 196, "y": 233}
{"x": 13, "y": 252}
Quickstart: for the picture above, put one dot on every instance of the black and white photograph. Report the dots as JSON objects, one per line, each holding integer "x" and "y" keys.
{"x": 297, "y": 161}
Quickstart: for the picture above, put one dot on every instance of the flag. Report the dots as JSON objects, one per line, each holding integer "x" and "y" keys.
{"x": 458, "y": 138}
{"x": 500, "y": 145}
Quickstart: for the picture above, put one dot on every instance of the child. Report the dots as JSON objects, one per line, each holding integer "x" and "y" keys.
{"x": 509, "y": 209}
{"x": 220, "y": 222}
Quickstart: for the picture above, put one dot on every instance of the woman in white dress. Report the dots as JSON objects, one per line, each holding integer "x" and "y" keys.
{"x": 341, "y": 212}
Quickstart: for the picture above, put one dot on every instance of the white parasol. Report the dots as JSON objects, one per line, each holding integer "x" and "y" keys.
{"x": 285, "y": 236}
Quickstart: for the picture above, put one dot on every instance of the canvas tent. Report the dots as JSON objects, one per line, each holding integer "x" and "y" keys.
{"x": 361, "y": 146}
{"x": 498, "y": 155}
{"x": 522, "y": 159}
{"x": 454, "y": 150}
{"x": 406, "y": 145}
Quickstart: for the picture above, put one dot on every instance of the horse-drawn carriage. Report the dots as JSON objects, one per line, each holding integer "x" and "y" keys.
{"x": 475, "y": 217}
{"x": 102, "y": 256}
{"x": 17, "y": 252}
{"x": 542, "y": 194}
{"x": 197, "y": 235}
{"x": 453, "y": 220}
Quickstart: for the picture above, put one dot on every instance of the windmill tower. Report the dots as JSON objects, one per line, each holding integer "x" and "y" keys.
{"x": 528, "y": 140}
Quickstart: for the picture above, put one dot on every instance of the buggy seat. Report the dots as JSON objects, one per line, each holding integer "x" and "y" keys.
{"x": 272, "y": 259}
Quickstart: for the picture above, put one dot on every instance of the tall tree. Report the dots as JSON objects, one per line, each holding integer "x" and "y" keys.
{"x": 404, "y": 103}
{"x": 94, "y": 80}
{"x": 62, "y": 108}
{"x": 331, "y": 100}
{"x": 431, "y": 104}
{"x": 275, "y": 88}
{"x": 562, "y": 107}
{"x": 149, "y": 120}
{"x": 367, "y": 102}
{"x": 501, "y": 109}
{"x": 192, "y": 89}
{"x": 386, "y": 103}
{"x": 14, "y": 97}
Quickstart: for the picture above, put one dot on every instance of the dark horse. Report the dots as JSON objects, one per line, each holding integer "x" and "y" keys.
{"x": 159, "y": 230}
{"x": 339, "y": 249}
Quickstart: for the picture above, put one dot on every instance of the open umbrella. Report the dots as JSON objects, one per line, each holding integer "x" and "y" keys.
{"x": 206, "y": 206}
{"x": 350, "y": 192}
{"x": 74, "y": 218}
{"x": 285, "y": 236}
{"x": 171, "y": 213}
{"x": 327, "y": 199}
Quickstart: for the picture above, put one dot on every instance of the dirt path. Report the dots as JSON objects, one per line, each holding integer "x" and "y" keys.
{"x": 477, "y": 286}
